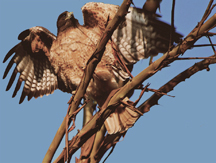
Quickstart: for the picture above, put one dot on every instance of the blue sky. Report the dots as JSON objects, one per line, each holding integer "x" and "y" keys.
{"x": 178, "y": 130}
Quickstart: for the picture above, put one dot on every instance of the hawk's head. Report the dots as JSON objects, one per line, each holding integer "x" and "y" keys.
{"x": 66, "y": 20}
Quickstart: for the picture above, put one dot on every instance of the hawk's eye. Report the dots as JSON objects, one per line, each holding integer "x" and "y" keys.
{"x": 64, "y": 15}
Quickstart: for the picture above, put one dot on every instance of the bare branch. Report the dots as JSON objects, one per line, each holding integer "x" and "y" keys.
{"x": 212, "y": 45}
{"x": 207, "y": 10}
{"x": 202, "y": 45}
{"x": 206, "y": 14}
{"x": 159, "y": 92}
{"x": 195, "y": 58}
{"x": 172, "y": 25}
{"x": 153, "y": 100}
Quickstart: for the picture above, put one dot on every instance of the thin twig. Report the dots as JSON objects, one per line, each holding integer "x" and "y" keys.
{"x": 213, "y": 6}
{"x": 202, "y": 45}
{"x": 159, "y": 92}
{"x": 141, "y": 94}
{"x": 206, "y": 14}
{"x": 211, "y": 34}
{"x": 212, "y": 45}
{"x": 120, "y": 60}
{"x": 68, "y": 119}
{"x": 172, "y": 25}
{"x": 110, "y": 153}
{"x": 187, "y": 58}
{"x": 207, "y": 9}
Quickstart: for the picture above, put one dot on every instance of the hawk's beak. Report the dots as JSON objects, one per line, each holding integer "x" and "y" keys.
{"x": 69, "y": 15}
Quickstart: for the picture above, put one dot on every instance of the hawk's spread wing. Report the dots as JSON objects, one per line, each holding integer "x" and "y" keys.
{"x": 142, "y": 35}
{"x": 139, "y": 36}
{"x": 32, "y": 64}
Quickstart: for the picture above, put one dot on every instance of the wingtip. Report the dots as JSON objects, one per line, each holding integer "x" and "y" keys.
{"x": 10, "y": 53}
{"x": 21, "y": 100}
{"x": 7, "y": 89}
{"x": 9, "y": 85}
{"x": 14, "y": 93}
{"x": 22, "y": 97}
{"x": 24, "y": 34}
{"x": 4, "y": 60}
{"x": 4, "y": 76}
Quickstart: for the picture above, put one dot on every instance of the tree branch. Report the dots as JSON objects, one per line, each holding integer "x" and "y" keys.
{"x": 153, "y": 100}
{"x": 172, "y": 25}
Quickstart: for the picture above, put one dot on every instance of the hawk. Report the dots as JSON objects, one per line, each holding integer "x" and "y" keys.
{"x": 46, "y": 62}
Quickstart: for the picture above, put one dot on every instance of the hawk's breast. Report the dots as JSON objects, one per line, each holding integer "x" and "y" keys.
{"x": 70, "y": 53}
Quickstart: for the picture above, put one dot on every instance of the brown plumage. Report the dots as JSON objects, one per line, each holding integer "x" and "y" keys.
{"x": 46, "y": 62}
{"x": 32, "y": 64}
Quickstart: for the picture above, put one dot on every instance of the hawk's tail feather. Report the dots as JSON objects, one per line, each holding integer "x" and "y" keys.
{"x": 121, "y": 120}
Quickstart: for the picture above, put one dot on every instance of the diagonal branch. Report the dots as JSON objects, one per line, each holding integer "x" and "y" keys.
{"x": 169, "y": 86}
